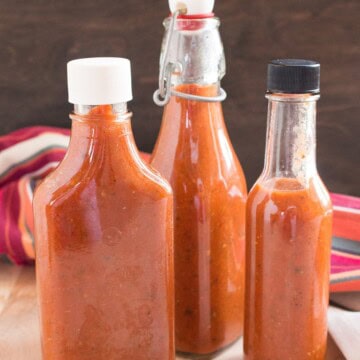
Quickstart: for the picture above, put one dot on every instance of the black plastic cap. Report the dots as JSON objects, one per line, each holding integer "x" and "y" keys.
{"x": 293, "y": 76}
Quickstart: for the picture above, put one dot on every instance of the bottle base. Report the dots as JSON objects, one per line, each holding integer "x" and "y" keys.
{"x": 210, "y": 356}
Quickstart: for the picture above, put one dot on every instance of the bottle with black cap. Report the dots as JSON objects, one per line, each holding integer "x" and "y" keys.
{"x": 289, "y": 221}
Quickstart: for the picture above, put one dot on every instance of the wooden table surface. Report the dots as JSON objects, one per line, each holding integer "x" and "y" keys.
{"x": 19, "y": 327}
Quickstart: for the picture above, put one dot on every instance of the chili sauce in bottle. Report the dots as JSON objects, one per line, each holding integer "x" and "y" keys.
{"x": 104, "y": 232}
{"x": 289, "y": 226}
{"x": 194, "y": 153}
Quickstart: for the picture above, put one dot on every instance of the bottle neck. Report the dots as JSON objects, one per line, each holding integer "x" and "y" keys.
{"x": 87, "y": 118}
{"x": 94, "y": 112}
{"x": 95, "y": 126}
{"x": 291, "y": 137}
{"x": 197, "y": 47}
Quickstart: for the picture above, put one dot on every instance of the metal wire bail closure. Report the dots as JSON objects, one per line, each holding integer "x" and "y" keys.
{"x": 221, "y": 97}
{"x": 162, "y": 95}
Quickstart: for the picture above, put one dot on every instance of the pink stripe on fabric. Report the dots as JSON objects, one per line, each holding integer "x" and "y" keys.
{"x": 341, "y": 262}
{"x": 345, "y": 201}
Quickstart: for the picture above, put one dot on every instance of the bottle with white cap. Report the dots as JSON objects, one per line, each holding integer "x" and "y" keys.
{"x": 194, "y": 153}
{"x": 103, "y": 224}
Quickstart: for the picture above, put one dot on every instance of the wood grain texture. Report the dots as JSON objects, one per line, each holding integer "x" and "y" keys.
{"x": 19, "y": 325}
{"x": 37, "y": 38}
{"x": 341, "y": 324}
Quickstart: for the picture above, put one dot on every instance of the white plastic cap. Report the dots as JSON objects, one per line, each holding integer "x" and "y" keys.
{"x": 194, "y": 7}
{"x": 99, "y": 81}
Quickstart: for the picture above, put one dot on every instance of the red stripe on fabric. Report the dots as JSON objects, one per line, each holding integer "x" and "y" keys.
{"x": 55, "y": 154}
{"x": 348, "y": 286}
{"x": 2, "y": 223}
{"x": 13, "y": 234}
{"x": 27, "y": 133}
{"x": 346, "y": 224}
{"x": 145, "y": 157}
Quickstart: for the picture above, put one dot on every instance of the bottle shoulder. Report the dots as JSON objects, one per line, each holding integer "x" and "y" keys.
{"x": 281, "y": 194}
{"x": 152, "y": 176}
{"x": 198, "y": 156}
{"x": 66, "y": 183}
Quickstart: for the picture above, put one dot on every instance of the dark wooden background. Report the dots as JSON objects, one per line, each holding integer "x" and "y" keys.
{"x": 37, "y": 38}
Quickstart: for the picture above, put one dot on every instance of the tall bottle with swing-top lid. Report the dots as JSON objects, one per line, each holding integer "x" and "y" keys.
{"x": 194, "y": 153}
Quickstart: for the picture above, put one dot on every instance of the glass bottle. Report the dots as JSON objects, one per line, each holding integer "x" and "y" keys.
{"x": 194, "y": 153}
{"x": 288, "y": 228}
{"x": 104, "y": 232}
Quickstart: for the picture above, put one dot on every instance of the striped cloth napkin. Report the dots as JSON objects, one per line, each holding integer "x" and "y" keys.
{"x": 345, "y": 255}
{"x": 29, "y": 154}
{"x": 26, "y": 156}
